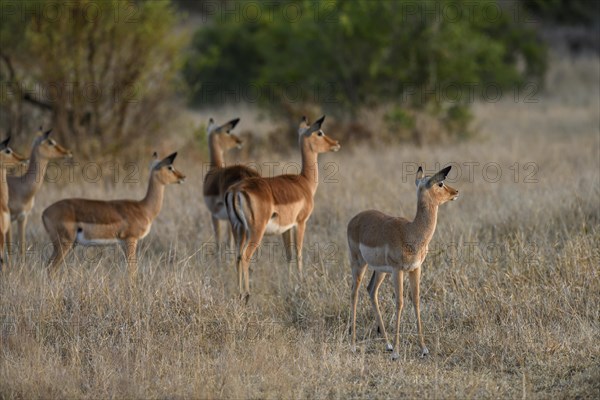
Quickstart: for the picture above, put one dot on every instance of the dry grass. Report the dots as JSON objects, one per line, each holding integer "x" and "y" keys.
{"x": 510, "y": 300}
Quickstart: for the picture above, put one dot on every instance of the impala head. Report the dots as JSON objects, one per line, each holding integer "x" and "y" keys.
{"x": 165, "y": 172}
{"x": 49, "y": 149}
{"x": 8, "y": 156}
{"x": 222, "y": 134}
{"x": 434, "y": 187}
{"x": 315, "y": 137}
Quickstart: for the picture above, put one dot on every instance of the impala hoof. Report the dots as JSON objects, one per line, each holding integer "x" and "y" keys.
{"x": 395, "y": 356}
{"x": 389, "y": 347}
{"x": 424, "y": 352}
{"x": 353, "y": 349}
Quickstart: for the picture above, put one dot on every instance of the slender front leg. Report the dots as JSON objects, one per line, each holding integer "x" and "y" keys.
{"x": 8, "y": 242}
{"x": 217, "y": 230}
{"x": 60, "y": 251}
{"x": 130, "y": 254}
{"x": 398, "y": 278}
{"x": 288, "y": 243}
{"x": 300, "y": 228}
{"x": 359, "y": 267}
{"x": 415, "y": 282}
{"x": 377, "y": 280}
{"x": 3, "y": 263}
{"x": 22, "y": 223}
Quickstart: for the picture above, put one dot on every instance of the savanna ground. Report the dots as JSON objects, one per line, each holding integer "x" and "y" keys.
{"x": 510, "y": 291}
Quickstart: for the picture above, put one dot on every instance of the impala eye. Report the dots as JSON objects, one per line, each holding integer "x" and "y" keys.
{"x": 51, "y": 142}
{"x": 8, "y": 151}
{"x": 171, "y": 168}
{"x": 441, "y": 184}
{"x": 321, "y": 133}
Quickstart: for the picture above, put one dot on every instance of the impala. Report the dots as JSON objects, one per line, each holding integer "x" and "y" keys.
{"x": 219, "y": 177}
{"x": 394, "y": 245}
{"x": 96, "y": 222}
{"x": 22, "y": 189}
{"x": 7, "y": 158}
{"x": 276, "y": 205}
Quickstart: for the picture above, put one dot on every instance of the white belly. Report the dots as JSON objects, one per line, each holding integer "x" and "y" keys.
{"x": 81, "y": 239}
{"x": 377, "y": 258}
{"x": 146, "y": 232}
{"x": 273, "y": 228}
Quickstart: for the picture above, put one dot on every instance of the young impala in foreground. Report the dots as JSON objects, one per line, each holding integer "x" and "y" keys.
{"x": 219, "y": 177}
{"x": 96, "y": 222}
{"x": 276, "y": 205}
{"x": 394, "y": 245}
{"x": 22, "y": 189}
{"x": 7, "y": 158}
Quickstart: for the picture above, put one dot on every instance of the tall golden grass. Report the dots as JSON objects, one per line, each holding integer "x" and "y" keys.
{"x": 510, "y": 292}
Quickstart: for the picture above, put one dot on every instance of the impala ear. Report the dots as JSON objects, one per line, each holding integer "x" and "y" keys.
{"x": 154, "y": 161}
{"x": 166, "y": 161}
{"x": 316, "y": 126}
{"x": 4, "y": 144}
{"x": 230, "y": 125}
{"x": 47, "y": 133}
{"x": 440, "y": 175}
{"x": 211, "y": 126}
{"x": 419, "y": 176}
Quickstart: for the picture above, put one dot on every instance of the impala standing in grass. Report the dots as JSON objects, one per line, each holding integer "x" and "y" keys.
{"x": 97, "y": 222}
{"x": 277, "y": 205}
{"x": 219, "y": 177}
{"x": 394, "y": 245}
{"x": 22, "y": 189}
{"x": 7, "y": 158}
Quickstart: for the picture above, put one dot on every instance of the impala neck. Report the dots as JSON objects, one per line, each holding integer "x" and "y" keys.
{"x": 34, "y": 177}
{"x": 217, "y": 159}
{"x": 154, "y": 196}
{"x": 425, "y": 220}
{"x": 310, "y": 165}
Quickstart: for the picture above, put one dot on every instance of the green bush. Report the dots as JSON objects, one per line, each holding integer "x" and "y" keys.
{"x": 346, "y": 55}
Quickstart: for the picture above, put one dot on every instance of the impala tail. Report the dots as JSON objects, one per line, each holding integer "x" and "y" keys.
{"x": 237, "y": 209}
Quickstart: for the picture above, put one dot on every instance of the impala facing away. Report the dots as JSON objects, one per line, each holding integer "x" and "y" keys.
{"x": 96, "y": 222}
{"x": 276, "y": 205}
{"x": 22, "y": 189}
{"x": 393, "y": 245}
{"x": 219, "y": 177}
{"x": 7, "y": 158}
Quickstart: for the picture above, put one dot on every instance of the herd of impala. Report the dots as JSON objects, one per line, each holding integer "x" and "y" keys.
{"x": 252, "y": 205}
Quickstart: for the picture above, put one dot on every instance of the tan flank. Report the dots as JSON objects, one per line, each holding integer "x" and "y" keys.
{"x": 97, "y": 222}
{"x": 219, "y": 177}
{"x": 275, "y": 205}
{"x": 7, "y": 158}
{"x": 22, "y": 189}
{"x": 394, "y": 245}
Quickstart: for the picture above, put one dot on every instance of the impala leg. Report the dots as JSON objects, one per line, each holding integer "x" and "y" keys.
{"x": 415, "y": 282}
{"x": 398, "y": 278}
{"x": 288, "y": 243}
{"x": 359, "y": 267}
{"x": 8, "y": 242}
{"x": 22, "y": 223}
{"x": 60, "y": 250}
{"x": 229, "y": 236}
{"x": 3, "y": 263}
{"x": 217, "y": 230}
{"x": 241, "y": 244}
{"x": 376, "y": 281}
{"x": 132, "y": 262}
{"x": 254, "y": 240}
{"x": 300, "y": 228}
